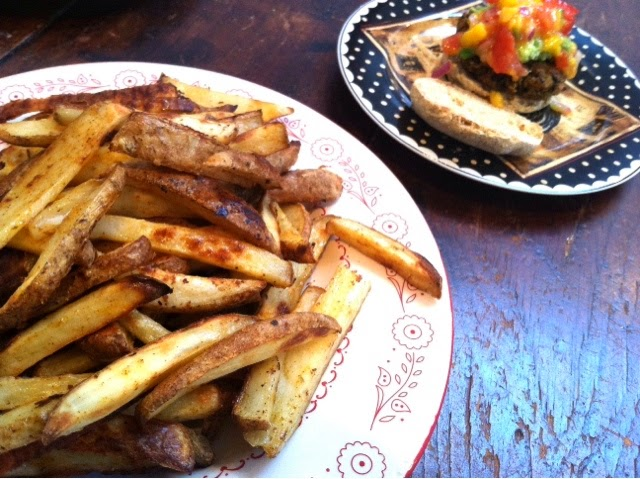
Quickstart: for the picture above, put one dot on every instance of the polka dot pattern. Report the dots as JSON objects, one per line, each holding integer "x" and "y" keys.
{"x": 601, "y": 74}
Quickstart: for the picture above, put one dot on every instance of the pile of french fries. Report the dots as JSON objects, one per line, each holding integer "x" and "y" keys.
{"x": 155, "y": 249}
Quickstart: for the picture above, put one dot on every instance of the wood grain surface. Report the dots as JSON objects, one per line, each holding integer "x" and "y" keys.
{"x": 546, "y": 291}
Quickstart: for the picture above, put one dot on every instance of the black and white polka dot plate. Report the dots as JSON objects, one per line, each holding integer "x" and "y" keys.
{"x": 602, "y": 74}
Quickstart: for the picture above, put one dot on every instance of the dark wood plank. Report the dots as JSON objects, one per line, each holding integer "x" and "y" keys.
{"x": 546, "y": 291}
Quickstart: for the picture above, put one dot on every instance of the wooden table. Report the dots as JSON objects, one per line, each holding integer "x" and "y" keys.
{"x": 546, "y": 291}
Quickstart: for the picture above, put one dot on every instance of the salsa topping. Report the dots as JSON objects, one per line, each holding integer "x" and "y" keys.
{"x": 508, "y": 35}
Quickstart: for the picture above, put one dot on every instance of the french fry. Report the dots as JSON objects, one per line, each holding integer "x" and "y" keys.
{"x": 13, "y": 177}
{"x": 412, "y": 266}
{"x": 209, "y": 200}
{"x": 40, "y": 132}
{"x": 102, "y": 162}
{"x": 128, "y": 377}
{"x": 14, "y": 268}
{"x": 197, "y": 294}
{"x": 223, "y": 130}
{"x": 308, "y": 186}
{"x": 13, "y": 156}
{"x": 117, "y": 445}
{"x": 248, "y": 346}
{"x": 254, "y": 405}
{"x": 65, "y": 114}
{"x": 23, "y": 425}
{"x": 294, "y": 238}
{"x": 76, "y": 320}
{"x": 202, "y": 245}
{"x": 263, "y": 140}
{"x": 302, "y": 367}
{"x": 239, "y": 168}
{"x": 156, "y": 97}
{"x": 107, "y": 344}
{"x": 283, "y": 160}
{"x": 143, "y": 327}
{"x": 70, "y": 360}
{"x": 18, "y": 391}
{"x": 139, "y": 203}
{"x": 58, "y": 257}
{"x": 55, "y": 167}
{"x": 202, "y": 402}
{"x": 107, "y": 266}
{"x": 209, "y": 98}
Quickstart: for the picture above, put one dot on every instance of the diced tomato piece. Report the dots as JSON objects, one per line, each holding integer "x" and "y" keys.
{"x": 504, "y": 58}
{"x": 451, "y": 45}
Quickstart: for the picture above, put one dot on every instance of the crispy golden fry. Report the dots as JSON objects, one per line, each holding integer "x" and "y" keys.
{"x": 55, "y": 167}
{"x": 223, "y": 130}
{"x": 22, "y": 425}
{"x": 239, "y": 168}
{"x": 203, "y": 245}
{"x": 308, "y": 186}
{"x": 15, "y": 392}
{"x": 13, "y": 156}
{"x": 302, "y": 367}
{"x": 107, "y": 344}
{"x": 70, "y": 360}
{"x": 264, "y": 140}
{"x": 40, "y": 132}
{"x": 253, "y": 407}
{"x": 107, "y": 266}
{"x": 139, "y": 203}
{"x": 116, "y": 445}
{"x": 294, "y": 235}
{"x": 101, "y": 163}
{"x": 156, "y": 97}
{"x": 248, "y": 346}
{"x": 197, "y": 294}
{"x": 128, "y": 377}
{"x": 58, "y": 257}
{"x": 412, "y": 266}
{"x": 269, "y": 219}
{"x": 12, "y": 178}
{"x": 14, "y": 268}
{"x": 202, "y": 402}
{"x": 49, "y": 219}
{"x": 209, "y": 98}
{"x": 143, "y": 327}
{"x": 209, "y": 200}
{"x": 283, "y": 160}
{"x": 76, "y": 320}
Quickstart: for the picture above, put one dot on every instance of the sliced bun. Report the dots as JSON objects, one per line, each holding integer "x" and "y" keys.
{"x": 513, "y": 103}
{"x": 472, "y": 120}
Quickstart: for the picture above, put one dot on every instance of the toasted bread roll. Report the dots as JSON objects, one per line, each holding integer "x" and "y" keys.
{"x": 472, "y": 120}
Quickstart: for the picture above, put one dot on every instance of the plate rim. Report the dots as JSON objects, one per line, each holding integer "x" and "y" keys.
{"x": 426, "y": 154}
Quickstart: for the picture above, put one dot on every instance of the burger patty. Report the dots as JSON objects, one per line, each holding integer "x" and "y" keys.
{"x": 543, "y": 80}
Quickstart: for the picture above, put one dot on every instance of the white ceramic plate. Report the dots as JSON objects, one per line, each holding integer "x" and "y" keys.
{"x": 380, "y": 397}
{"x": 604, "y": 84}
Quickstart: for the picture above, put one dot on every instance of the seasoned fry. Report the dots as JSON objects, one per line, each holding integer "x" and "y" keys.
{"x": 138, "y": 203}
{"x": 244, "y": 169}
{"x": 308, "y": 186}
{"x": 107, "y": 344}
{"x": 156, "y": 97}
{"x": 70, "y": 360}
{"x": 23, "y": 425}
{"x": 283, "y": 160}
{"x": 209, "y": 98}
{"x": 15, "y": 392}
{"x": 194, "y": 294}
{"x": 13, "y": 177}
{"x": 202, "y": 245}
{"x": 248, "y": 346}
{"x": 412, "y": 266}
{"x": 264, "y": 140}
{"x": 302, "y": 367}
{"x": 107, "y": 266}
{"x": 209, "y": 200}
{"x": 13, "y": 156}
{"x": 202, "y": 402}
{"x": 58, "y": 257}
{"x": 118, "y": 444}
{"x": 128, "y": 377}
{"x": 143, "y": 327}
{"x": 294, "y": 238}
{"x": 76, "y": 320}
{"x": 55, "y": 167}
{"x": 40, "y": 132}
{"x": 14, "y": 268}
{"x": 101, "y": 163}
{"x": 223, "y": 130}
